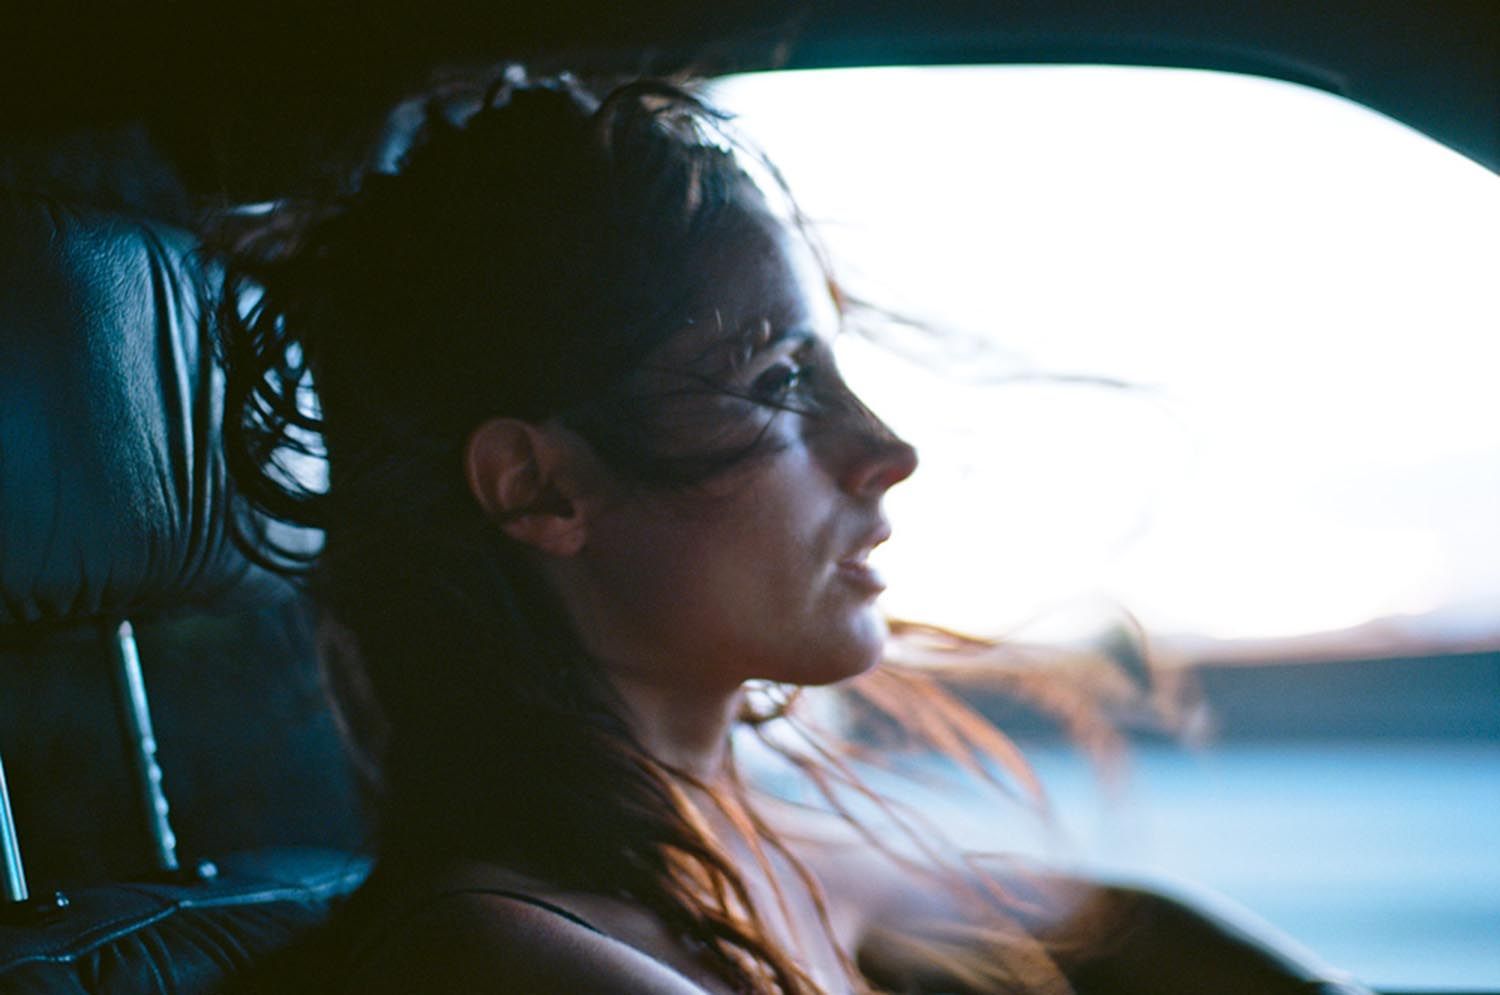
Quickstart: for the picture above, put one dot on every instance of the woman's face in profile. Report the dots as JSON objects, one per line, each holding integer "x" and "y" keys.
{"x": 761, "y": 572}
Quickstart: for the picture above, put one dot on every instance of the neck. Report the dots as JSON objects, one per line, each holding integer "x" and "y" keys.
{"x": 684, "y": 728}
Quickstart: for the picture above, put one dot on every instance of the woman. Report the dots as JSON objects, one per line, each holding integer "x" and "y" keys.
{"x": 592, "y": 472}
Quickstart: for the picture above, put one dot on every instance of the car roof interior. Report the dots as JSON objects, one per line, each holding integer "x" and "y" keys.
{"x": 181, "y": 812}
{"x": 255, "y": 100}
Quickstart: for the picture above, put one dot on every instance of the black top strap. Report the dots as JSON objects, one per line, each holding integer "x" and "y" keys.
{"x": 525, "y": 899}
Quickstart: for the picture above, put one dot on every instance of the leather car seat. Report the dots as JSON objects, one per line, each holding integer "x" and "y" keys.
{"x": 118, "y": 578}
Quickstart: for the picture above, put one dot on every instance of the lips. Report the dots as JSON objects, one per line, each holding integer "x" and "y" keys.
{"x": 855, "y": 567}
{"x": 861, "y": 575}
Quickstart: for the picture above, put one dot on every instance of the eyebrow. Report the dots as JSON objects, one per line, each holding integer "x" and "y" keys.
{"x": 735, "y": 350}
{"x": 771, "y": 338}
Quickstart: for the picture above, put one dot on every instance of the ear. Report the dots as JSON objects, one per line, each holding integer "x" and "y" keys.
{"x": 526, "y": 479}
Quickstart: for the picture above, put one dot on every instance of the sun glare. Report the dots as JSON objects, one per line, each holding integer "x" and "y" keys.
{"x": 1238, "y": 342}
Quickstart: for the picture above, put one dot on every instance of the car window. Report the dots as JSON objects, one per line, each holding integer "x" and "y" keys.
{"x": 1214, "y": 354}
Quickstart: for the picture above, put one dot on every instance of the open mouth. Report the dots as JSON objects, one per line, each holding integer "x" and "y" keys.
{"x": 856, "y": 569}
{"x": 859, "y": 573}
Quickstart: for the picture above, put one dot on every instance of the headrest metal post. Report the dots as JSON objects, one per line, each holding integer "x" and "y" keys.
{"x": 141, "y": 745}
{"x": 12, "y": 874}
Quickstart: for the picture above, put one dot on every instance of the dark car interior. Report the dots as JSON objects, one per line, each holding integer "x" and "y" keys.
{"x": 176, "y": 807}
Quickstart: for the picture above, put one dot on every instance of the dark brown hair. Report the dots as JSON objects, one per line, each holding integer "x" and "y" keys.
{"x": 521, "y": 262}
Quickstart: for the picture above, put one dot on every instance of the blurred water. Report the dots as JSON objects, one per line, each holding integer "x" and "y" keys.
{"x": 1383, "y": 858}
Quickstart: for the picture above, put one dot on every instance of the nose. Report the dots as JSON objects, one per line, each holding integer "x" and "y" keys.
{"x": 878, "y": 464}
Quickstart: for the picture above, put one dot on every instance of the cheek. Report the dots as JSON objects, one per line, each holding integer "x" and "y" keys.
{"x": 738, "y": 584}
{"x": 693, "y": 581}
{"x": 770, "y": 598}
{"x": 751, "y": 570}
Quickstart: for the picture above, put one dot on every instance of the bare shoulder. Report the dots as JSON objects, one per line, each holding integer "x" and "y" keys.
{"x": 482, "y": 943}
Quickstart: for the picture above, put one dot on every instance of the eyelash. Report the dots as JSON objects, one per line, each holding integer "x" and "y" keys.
{"x": 780, "y": 379}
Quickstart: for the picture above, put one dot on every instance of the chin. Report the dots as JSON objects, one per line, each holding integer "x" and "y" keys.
{"x": 861, "y": 649}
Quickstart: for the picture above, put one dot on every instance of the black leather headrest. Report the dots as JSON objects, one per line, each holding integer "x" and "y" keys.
{"x": 112, "y": 497}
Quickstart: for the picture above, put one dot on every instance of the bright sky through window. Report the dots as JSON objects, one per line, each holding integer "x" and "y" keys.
{"x": 1301, "y": 292}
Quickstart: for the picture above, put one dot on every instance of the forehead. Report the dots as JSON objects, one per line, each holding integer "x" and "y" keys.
{"x": 758, "y": 283}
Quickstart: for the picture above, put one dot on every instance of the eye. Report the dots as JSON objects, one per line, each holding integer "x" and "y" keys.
{"x": 779, "y": 380}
